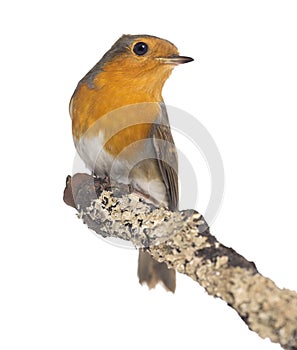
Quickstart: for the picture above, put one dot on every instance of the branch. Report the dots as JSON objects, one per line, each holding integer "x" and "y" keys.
{"x": 189, "y": 248}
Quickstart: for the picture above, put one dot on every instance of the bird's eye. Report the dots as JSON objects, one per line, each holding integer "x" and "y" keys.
{"x": 140, "y": 48}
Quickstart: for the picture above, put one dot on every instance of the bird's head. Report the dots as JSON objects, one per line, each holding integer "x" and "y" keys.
{"x": 143, "y": 61}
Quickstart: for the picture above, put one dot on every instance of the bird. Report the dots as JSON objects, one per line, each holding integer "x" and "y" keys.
{"x": 121, "y": 129}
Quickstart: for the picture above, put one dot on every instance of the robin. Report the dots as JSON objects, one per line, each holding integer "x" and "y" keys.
{"x": 121, "y": 130}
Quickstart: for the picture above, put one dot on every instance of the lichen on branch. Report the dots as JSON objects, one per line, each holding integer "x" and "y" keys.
{"x": 183, "y": 241}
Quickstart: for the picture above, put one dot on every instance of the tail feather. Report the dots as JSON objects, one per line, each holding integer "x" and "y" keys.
{"x": 152, "y": 272}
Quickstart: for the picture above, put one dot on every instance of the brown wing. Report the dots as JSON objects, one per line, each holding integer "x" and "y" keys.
{"x": 167, "y": 156}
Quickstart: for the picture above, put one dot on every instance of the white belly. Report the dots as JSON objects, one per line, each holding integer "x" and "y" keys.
{"x": 124, "y": 168}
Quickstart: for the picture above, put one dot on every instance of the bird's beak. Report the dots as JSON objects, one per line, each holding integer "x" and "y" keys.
{"x": 175, "y": 60}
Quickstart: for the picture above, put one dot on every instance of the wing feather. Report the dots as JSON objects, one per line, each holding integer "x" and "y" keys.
{"x": 166, "y": 156}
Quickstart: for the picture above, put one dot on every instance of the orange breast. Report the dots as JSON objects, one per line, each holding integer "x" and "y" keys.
{"x": 120, "y": 110}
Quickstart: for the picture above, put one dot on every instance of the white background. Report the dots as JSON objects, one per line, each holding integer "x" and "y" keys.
{"x": 61, "y": 286}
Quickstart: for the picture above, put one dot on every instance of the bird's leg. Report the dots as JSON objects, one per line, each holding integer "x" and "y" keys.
{"x": 140, "y": 194}
{"x": 146, "y": 197}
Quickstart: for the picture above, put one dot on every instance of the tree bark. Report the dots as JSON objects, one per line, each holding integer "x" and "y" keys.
{"x": 183, "y": 241}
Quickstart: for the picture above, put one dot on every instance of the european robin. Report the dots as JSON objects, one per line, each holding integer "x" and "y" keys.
{"x": 121, "y": 129}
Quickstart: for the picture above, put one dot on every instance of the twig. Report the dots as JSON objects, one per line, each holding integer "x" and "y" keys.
{"x": 188, "y": 247}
